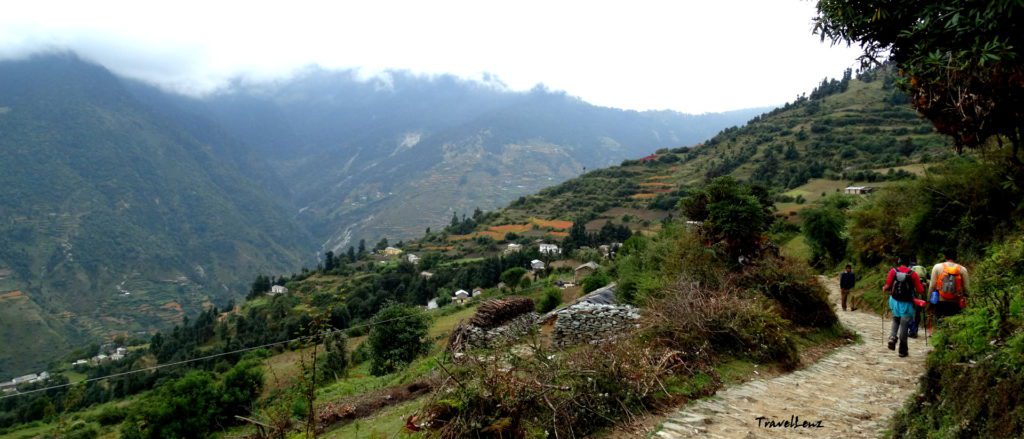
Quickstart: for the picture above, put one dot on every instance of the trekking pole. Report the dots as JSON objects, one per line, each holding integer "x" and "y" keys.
{"x": 885, "y": 321}
{"x": 928, "y": 322}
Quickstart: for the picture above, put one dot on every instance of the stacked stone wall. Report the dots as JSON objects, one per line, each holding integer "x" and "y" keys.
{"x": 591, "y": 323}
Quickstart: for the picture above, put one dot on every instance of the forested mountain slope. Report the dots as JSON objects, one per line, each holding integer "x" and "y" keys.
{"x": 849, "y": 130}
{"x": 393, "y": 154}
{"x": 117, "y": 218}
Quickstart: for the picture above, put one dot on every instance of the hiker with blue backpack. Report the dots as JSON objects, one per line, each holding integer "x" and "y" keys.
{"x": 902, "y": 284}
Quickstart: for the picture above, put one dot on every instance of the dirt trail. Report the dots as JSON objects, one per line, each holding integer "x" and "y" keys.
{"x": 853, "y": 392}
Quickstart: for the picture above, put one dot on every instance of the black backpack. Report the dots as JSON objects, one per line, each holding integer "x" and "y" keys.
{"x": 902, "y": 287}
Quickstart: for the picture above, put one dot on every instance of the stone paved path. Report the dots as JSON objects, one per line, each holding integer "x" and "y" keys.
{"x": 853, "y": 392}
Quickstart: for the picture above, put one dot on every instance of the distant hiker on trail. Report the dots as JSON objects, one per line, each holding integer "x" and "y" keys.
{"x": 846, "y": 282}
{"x": 922, "y": 273}
{"x": 901, "y": 284}
{"x": 949, "y": 283}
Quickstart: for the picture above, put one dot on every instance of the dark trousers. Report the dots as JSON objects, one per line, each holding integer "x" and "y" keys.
{"x": 899, "y": 327}
{"x": 843, "y": 293}
{"x": 946, "y": 308}
{"x": 917, "y": 322}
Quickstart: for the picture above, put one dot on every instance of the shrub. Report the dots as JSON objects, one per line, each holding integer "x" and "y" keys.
{"x": 999, "y": 284}
{"x": 801, "y": 299}
{"x": 239, "y": 388}
{"x": 361, "y": 353}
{"x": 543, "y": 395}
{"x": 444, "y": 300}
{"x": 972, "y": 385}
{"x": 595, "y": 281}
{"x": 110, "y": 415}
{"x": 732, "y": 212}
{"x": 80, "y": 430}
{"x": 701, "y": 321}
{"x": 187, "y": 407}
{"x": 825, "y": 230}
{"x": 336, "y": 355}
{"x": 550, "y": 300}
{"x": 513, "y": 277}
{"x": 396, "y": 338}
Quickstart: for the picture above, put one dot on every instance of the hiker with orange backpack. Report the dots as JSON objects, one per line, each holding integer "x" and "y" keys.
{"x": 901, "y": 284}
{"x": 949, "y": 287}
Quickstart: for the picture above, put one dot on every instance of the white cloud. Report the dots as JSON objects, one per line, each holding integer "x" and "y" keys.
{"x": 682, "y": 55}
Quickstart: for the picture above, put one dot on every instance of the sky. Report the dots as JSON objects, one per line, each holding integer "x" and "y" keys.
{"x": 688, "y": 56}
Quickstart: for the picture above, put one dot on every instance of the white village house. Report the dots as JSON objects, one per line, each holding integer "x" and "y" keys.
{"x": 477, "y": 291}
{"x": 432, "y": 304}
{"x": 513, "y": 247}
{"x": 537, "y": 264}
{"x": 858, "y": 190}
{"x": 278, "y": 289}
{"x": 413, "y": 259}
{"x": 460, "y": 296}
{"x": 549, "y": 249}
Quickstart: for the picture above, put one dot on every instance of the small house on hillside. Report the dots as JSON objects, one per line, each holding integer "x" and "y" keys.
{"x": 550, "y": 249}
{"x": 461, "y": 297}
{"x": 858, "y": 190}
{"x": 25, "y": 378}
{"x": 432, "y": 304}
{"x": 426, "y": 274}
{"x": 513, "y": 247}
{"x": 584, "y": 270}
{"x": 537, "y": 265}
{"x": 413, "y": 259}
{"x": 477, "y": 291}
{"x": 391, "y": 251}
{"x": 278, "y": 289}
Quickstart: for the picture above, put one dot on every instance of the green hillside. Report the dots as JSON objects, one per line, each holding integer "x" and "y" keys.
{"x": 372, "y": 158}
{"x": 854, "y": 135}
{"x": 117, "y": 220}
{"x": 816, "y": 145}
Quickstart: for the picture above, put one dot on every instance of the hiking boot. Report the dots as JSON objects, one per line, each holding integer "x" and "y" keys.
{"x": 892, "y": 343}
{"x": 903, "y": 353}
{"x": 914, "y": 335}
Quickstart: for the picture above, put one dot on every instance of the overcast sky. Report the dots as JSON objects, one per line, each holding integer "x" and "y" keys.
{"x": 689, "y": 56}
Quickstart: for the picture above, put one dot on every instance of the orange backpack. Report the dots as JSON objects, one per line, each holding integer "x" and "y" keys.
{"x": 951, "y": 282}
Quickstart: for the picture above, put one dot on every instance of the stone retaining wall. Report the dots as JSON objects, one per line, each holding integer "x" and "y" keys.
{"x": 511, "y": 331}
{"x": 590, "y": 323}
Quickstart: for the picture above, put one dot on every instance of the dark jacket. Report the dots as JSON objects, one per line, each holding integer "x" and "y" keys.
{"x": 847, "y": 280}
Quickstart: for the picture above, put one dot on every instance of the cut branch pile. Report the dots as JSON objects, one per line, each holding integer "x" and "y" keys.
{"x": 496, "y": 312}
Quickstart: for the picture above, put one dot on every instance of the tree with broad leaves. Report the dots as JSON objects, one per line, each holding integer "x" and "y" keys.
{"x": 960, "y": 61}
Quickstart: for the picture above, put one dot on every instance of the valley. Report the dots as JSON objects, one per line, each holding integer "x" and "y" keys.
{"x": 128, "y": 207}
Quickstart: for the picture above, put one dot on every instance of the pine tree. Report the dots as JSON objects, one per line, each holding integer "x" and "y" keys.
{"x": 336, "y": 363}
{"x": 329, "y": 262}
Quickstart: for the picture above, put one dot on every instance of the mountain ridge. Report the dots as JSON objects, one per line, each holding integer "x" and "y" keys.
{"x": 406, "y": 133}
{"x": 128, "y": 207}
{"x": 102, "y": 197}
